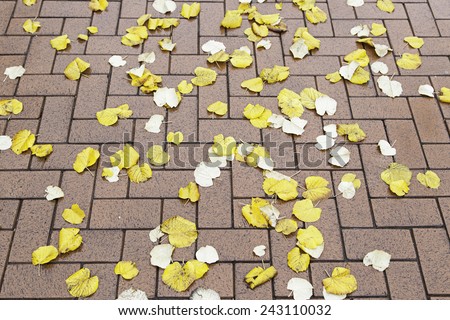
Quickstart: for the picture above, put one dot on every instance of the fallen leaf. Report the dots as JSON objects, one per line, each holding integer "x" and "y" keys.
{"x": 14, "y": 72}
{"x": 224, "y": 146}
{"x": 316, "y": 15}
{"x": 53, "y": 192}
{"x": 29, "y": 3}
{"x": 304, "y": 211}
{"x": 110, "y": 116}
{"x": 204, "y": 77}
{"x": 127, "y": 269}
{"x": 409, "y": 61}
{"x": 132, "y": 294}
{"x": 241, "y": 59}
{"x": 254, "y": 84}
{"x": 74, "y": 215}
{"x": 147, "y": 57}
{"x": 10, "y": 106}
{"x": 207, "y": 254}
{"x": 5, "y": 143}
{"x": 69, "y": 240}
{"x": 299, "y": 49}
{"x": 386, "y": 149}
{"x": 182, "y": 233}
{"x": 325, "y": 104}
{"x": 184, "y": 87}
{"x": 111, "y": 174}
{"x": 180, "y": 278}
{"x": 360, "y": 56}
{"x": 360, "y": 30}
{"x": 189, "y": 192}
{"x": 316, "y": 189}
{"x": 340, "y": 156}
{"x": 390, "y": 87}
{"x": 286, "y": 226}
{"x": 125, "y": 158}
{"x": 378, "y": 29}
{"x": 165, "y": 23}
{"x": 324, "y": 142}
{"x": 379, "y": 67}
{"x": 259, "y": 250}
{"x": 271, "y": 214}
{"x": 378, "y": 259}
{"x": 43, "y": 255}
{"x": 204, "y": 174}
{"x": 298, "y": 261}
{"x": 341, "y": 282}
{"x": 330, "y": 296}
{"x": 275, "y": 74}
{"x": 353, "y": 131}
{"x": 311, "y": 42}
{"x": 155, "y": 234}
{"x": 138, "y": 174}
{"x": 175, "y": 137}
{"x": 252, "y": 213}
{"x": 398, "y": 177}
{"x": 220, "y": 108}
{"x": 85, "y": 158}
{"x": 164, "y": 6}
{"x": 355, "y": 3}
{"x": 166, "y": 44}
{"x": 75, "y": 68}
{"x": 414, "y": 42}
{"x": 166, "y": 97}
{"x": 98, "y": 5}
{"x": 60, "y": 43}
{"x": 426, "y": 90}
{"x": 333, "y": 77}
{"x": 381, "y": 49}
{"x": 258, "y": 115}
{"x": 83, "y": 37}
{"x": 92, "y": 29}
{"x": 204, "y": 294}
{"x": 22, "y": 141}
{"x": 347, "y": 189}
{"x": 232, "y": 19}
{"x": 301, "y": 288}
{"x": 349, "y": 70}
{"x": 161, "y": 255}
{"x": 153, "y": 125}
{"x": 305, "y": 4}
{"x": 190, "y": 11}
{"x": 258, "y": 276}
{"x": 213, "y": 47}
{"x": 266, "y": 44}
{"x": 430, "y": 179}
{"x": 138, "y": 72}
{"x": 284, "y": 189}
{"x": 445, "y": 96}
{"x": 31, "y": 26}
{"x": 294, "y": 126}
{"x": 81, "y": 284}
{"x": 117, "y": 61}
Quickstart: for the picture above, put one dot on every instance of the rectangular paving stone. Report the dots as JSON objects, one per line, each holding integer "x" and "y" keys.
{"x": 46, "y": 85}
{"x": 71, "y": 9}
{"x": 186, "y": 37}
{"x": 437, "y": 155}
{"x": 55, "y": 119}
{"x": 49, "y": 26}
{"x": 422, "y": 19}
{"x": 107, "y": 23}
{"x": 14, "y": 44}
{"x": 242, "y": 289}
{"x": 26, "y": 184}
{"x": 184, "y": 119}
{"x": 313, "y": 65}
{"x": 91, "y": 131}
{"x": 431, "y": 66}
{"x": 238, "y": 129}
{"x": 8, "y": 212}
{"x": 105, "y": 273}
{"x": 405, "y": 281}
{"x": 62, "y": 157}
{"x": 6, "y": 9}
{"x": 370, "y": 11}
{"x": 247, "y": 181}
{"x": 429, "y": 121}
{"x": 89, "y": 101}
{"x": 40, "y": 56}
{"x": 99, "y": 63}
{"x": 379, "y": 108}
{"x": 132, "y": 8}
{"x": 214, "y": 13}
{"x": 163, "y": 184}
{"x": 107, "y": 44}
{"x": 5, "y": 240}
{"x": 418, "y": 190}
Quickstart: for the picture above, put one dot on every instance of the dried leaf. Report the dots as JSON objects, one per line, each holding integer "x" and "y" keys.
{"x": 43, "y": 255}
{"x": 430, "y": 179}
{"x": 127, "y": 269}
{"x": 22, "y": 141}
{"x": 182, "y": 233}
{"x": 85, "y": 158}
{"x": 81, "y": 284}
{"x": 69, "y": 239}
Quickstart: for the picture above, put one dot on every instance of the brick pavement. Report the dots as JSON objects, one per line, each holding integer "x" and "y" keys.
{"x": 413, "y": 229}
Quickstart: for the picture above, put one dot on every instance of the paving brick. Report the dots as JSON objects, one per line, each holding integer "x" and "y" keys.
{"x": 313, "y": 65}
{"x": 247, "y": 181}
{"x": 46, "y": 85}
{"x": 178, "y": 207}
{"x": 432, "y": 247}
{"x": 184, "y": 119}
{"x": 210, "y": 94}
{"x": 14, "y": 45}
{"x": 374, "y": 129}
{"x": 338, "y": 92}
{"x": 107, "y": 23}
{"x": 186, "y": 64}
{"x": 9, "y": 87}
{"x": 342, "y": 27}
{"x": 238, "y": 129}
{"x": 435, "y": 47}
{"x": 410, "y": 84}
{"x": 444, "y": 205}
{"x": 397, "y": 242}
{"x": 421, "y": 19}
{"x": 107, "y": 280}
{"x": 5, "y": 240}
{"x": 443, "y": 26}
{"x": 436, "y": 155}
{"x": 81, "y": 131}
{"x": 267, "y": 58}
{"x": 10, "y": 160}
{"x": 370, "y": 11}
{"x": 211, "y": 15}
{"x": 120, "y": 84}
{"x": 418, "y": 190}
{"x": 339, "y": 10}
{"x": 438, "y": 82}
{"x": 62, "y": 157}
{"x": 40, "y": 56}
{"x": 281, "y": 148}
{"x": 311, "y": 158}
{"x": 32, "y": 108}
{"x": 186, "y": 38}
{"x": 429, "y": 121}
{"x": 89, "y": 101}
{"x": 187, "y": 155}
{"x": 49, "y": 26}
{"x": 294, "y": 83}
{"x": 397, "y": 30}
{"x": 107, "y": 44}
{"x": 143, "y": 139}
{"x": 105, "y": 189}
{"x": 132, "y": 8}
{"x": 99, "y": 63}
{"x": 6, "y": 9}
{"x": 26, "y": 184}
{"x": 33, "y": 226}
{"x": 243, "y": 291}
{"x": 72, "y": 9}
{"x": 142, "y": 106}
{"x": 55, "y": 119}
{"x": 8, "y": 213}
{"x": 431, "y": 66}
{"x": 163, "y": 184}
{"x": 440, "y": 11}
{"x": 379, "y": 108}
{"x": 405, "y": 281}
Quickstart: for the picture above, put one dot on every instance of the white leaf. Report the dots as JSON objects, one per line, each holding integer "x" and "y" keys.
{"x": 5, "y": 143}
{"x": 325, "y": 104}
{"x": 294, "y": 126}
{"x": 355, "y": 3}
{"x": 204, "y": 294}
{"x": 265, "y": 163}
{"x": 138, "y": 72}
{"x": 212, "y": 47}
{"x": 132, "y": 294}
{"x": 360, "y": 30}
{"x": 348, "y": 189}
{"x": 316, "y": 252}
{"x": 324, "y": 142}
{"x": 53, "y": 193}
{"x": 381, "y": 49}
{"x": 275, "y": 121}
{"x": 348, "y": 70}
{"x": 266, "y": 44}
{"x": 379, "y": 67}
{"x": 246, "y": 49}
{"x": 207, "y": 254}
{"x": 164, "y": 6}
{"x": 331, "y": 130}
{"x": 156, "y": 234}
{"x": 378, "y": 259}
{"x": 245, "y": 1}
{"x": 330, "y": 296}
{"x": 218, "y": 161}
{"x": 271, "y": 213}
{"x": 166, "y": 96}
{"x": 115, "y": 176}
{"x": 386, "y": 149}
{"x": 14, "y": 72}
{"x": 147, "y": 57}
{"x": 244, "y": 149}
{"x": 299, "y": 49}
{"x": 161, "y": 255}
{"x": 426, "y": 90}
{"x": 276, "y": 175}
{"x": 117, "y": 61}
{"x": 261, "y": 1}
{"x": 259, "y": 250}
{"x": 302, "y": 289}
{"x": 167, "y": 44}
{"x": 340, "y": 156}
{"x": 153, "y": 125}
{"x": 391, "y": 88}
{"x": 205, "y": 173}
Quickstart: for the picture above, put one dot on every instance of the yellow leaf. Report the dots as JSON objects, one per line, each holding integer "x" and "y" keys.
{"x": 140, "y": 31}
{"x": 85, "y": 158}
{"x": 267, "y": 19}
{"x": 298, "y": 261}
{"x": 316, "y": 189}
{"x": 60, "y": 43}
{"x": 360, "y": 56}
{"x": 75, "y": 68}
{"x": 190, "y": 11}
{"x": 180, "y": 278}
{"x": 182, "y": 233}
{"x": 386, "y": 5}
{"x": 29, "y": 3}
{"x": 110, "y": 116}
{"x": 316, "y": 15}
{"x": 251, "y": 36}
{"x": 22, "y": 141}
{"x": 43, "y": 255}
{"x": 258, "y": 276}
{"x": 290, "y": 103}
{"x": 127, "y": 269}
{"x": 258, "y": 115}
{"x": 351, "y": 177}
{"x": 131, "y": 39}
{"x": 41, "y": 150}
{"x": 378, "y": 29}
{"x": 360, "y": 76}
{"x": 254, "y": 85}
{"x": 175, "y": 137}
{"x": 125, "y": 158}
{"x": 138, "y": 174}
{"x": 92, "y": 29}
{"x": 284, "y": 189}
{"x": 157, "y": 156}
{"x": 224, "y": 146}
{"x": 184, "y": 87}
{"x": 341, "y": 282}
{"x": 309, "y": 96}
{"x": 98, "y": 5}
{"x": 309, "y": 238}
{"x": 83, "y": 37}
{"x": 396, "y": 172}
{"x": 81, "y": 284}
{"x": 143, "y": 19}
{"x": 260, "y": 30}
{"x": 445, "y": 97}
{"x": 279, "y": 6}
{"x": 305, "y": 4}
{"x": 399, "y": 187}
{"x": 368, "y": 41}
{"x": 353, "y": 131}
{"x": 429, "y": 179}
{"x": 204, "y": 77}
{"x": 74, "y": 215}
{"x": 241, "y": 59}
{"x": 286, "y": 226}
{"x": 414, "y": 42}
{"x": 232, "y": 19}
{"x": 166, "y": 44}
{"x": 276, "y": 74}
{"x": 304, "y": 211}
{"x": 334, "y": 77}
{"x": 31, "y": 26}
{"x": 165, "y": 23}
{"x": 220, "y": 56}
{"x": 220, "y": 108}
{"x": 252, "y": 213}
{"x": 69, "y": 239}
{"x": 409, "y": 61}
{"x": 311, "y": 42}
{"x": 189, "y": 192}
{"x": 9, "y": 106}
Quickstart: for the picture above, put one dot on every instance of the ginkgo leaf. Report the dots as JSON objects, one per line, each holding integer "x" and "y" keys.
{"x": 207, "y": 254}
{"x": 414, "y": 42}
{"x": 254, "y": 84}
{"x": 290, "y": 103}
{"x": 117, "y": 61}
{"x": 110, "y": 116}
{"x": 205, "y": 173}
{"x": 164, "y": 6}
{"x": 390, "y": 87}
{"x": 213, "y": 47}
{"x": 22, "y": 141}
{"x": 83, "y": 37}
{"x": 259, "y": 250}
{"x": 251, "y": 36}
{"x": 165, "y": 23}
{"x": 190, "y": 11}
{"x": 147, "y": 57}
{"x": 166, "y": 44}
{"x": 60, "y": 43}
{"x": 426, "y": 90}
{"x": 301, "y": 288}
{"x": 378, "y": 29}
{"x": 316, "y": 15}
{"x": 353, "y": 131}
{"x": 5, "y": 142}
{"x": 399, "y": 187}
{"x": 445, "y": 96}
{"x": 258, "y": 115}
{"x": 155, "y": 234}
{"x": 430, "y": 179}
{"x": 409, "y": 61}
{"x": 347, "y": 71}
{"x": 75, "y": 68}
{"x": 182, "y": 233}
{"x": 379, "y": 67}
{"x": 252, "y": 213}
{"x": 385, "y": 5}
{"x": 220, "y": 56}
{"x": 175, "y": 137}
{"x": 258, "y": 276}
{"x": 360, "y": 56}
{"x": 276, "y": 121}
{"x": 74, "y": 215}
{"x": 180, "y": 278}
{"x": 81, "y": 284}
{"x": 132, "y": 294}
{"x": 138, "y": 174}
{"x": 279, "y": 6}
{"x": 309, "y": 96}
{"x": 324, "y": 142}
{"x": 143, "y": 19}
{"x": 341, "y": 282}
{"x": 184, "y": 87}
{"x": 299, "y": 49}
{"x": 232, "y": 19}
{"x": 298, "y": 261}
{"x": 351, "y": 177}
{"x": 14, "y": 72}
{"x": 334, "y": 77}
{"x": 92, "y": 29}
{"x": 275, "y": 74}
{"x": 378, "y": 259}
{"x": 220, "y": 108}
{"x": 267, "y": 19}
{"x": 31, "y": 26}
{"x": 284, "y": 189}
{"x": 161, "y": 255}
{"x": 294, "y": 126}
{"x": 386, "y": 149}
{"x": 340, "y": 156}
{"x": 127, "y": 269}
{"x": 189, "y": 192}
{"x": 53, "y": 192}
{"x": 316, "y": 189}
{"x": 241, "y": 59}
{"x": 138, "y": 72}
{"x": 204, "y": 294}
{"x": 69, "y": 239}
{"x": 311, "y": 42}
{"x": 260, "y": 30}
{"x": 85, "y": 158}
{"x": 286, "y": 226}
{"x": 204, "y": 77}
{"x": 157, "y": 156}
{"x": 304, "y": 211}
{"x": 43, "y": 255}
